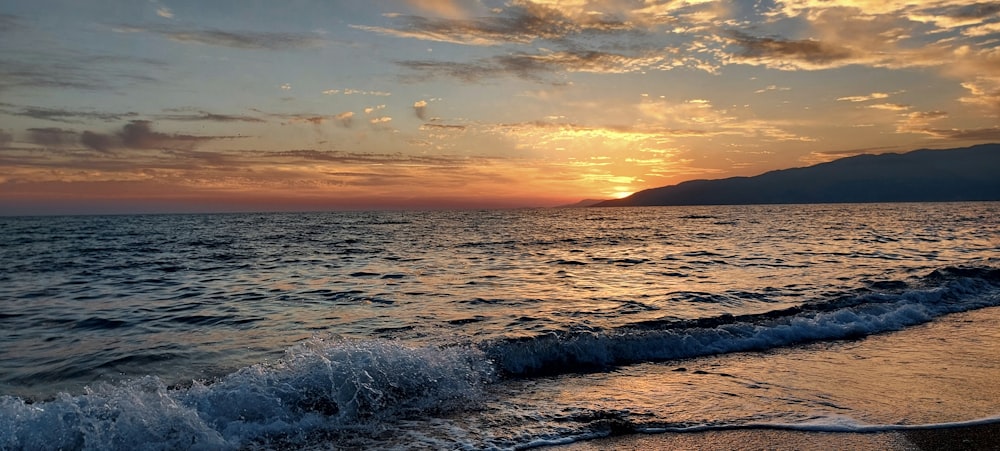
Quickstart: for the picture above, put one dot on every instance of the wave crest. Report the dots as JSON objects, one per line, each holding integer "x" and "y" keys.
{"x": 947, "y": 290}
{"x": 327, "y": 385}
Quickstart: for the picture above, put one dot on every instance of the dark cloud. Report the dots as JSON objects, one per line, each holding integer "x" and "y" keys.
{"x": 521, "y": 23}
{"x": 53, "y": 137}
{"x": 533, "y": 66}
{"x": 345, "y": 119}
{"x": 140, "y": 135}
{"x": 56, "y": 70}
{"x": 364, "y": 158}
{"x": 250, "y": 40}
{"x": 315, "y": 120}
{"x": 974, "y": 11}
{"x": 199, "y": 116}
{"x": 582, "y": 61}
{"x": 5, "y": 138}
{"x": 599, "y": 43}
{"x": 467, "y": 72}
{"x": 974, "y": 134}
{"x": 810, "y": 51}
{"x": 432, "y": 126}
{"x": 22, "y": 74}
{"x": 62, "y": 115}
{"x": 97, "y": 141}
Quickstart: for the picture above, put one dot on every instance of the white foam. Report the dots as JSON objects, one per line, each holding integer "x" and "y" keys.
{"x": 320, "y": 385}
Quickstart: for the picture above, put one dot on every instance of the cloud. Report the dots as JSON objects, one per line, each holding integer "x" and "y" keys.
{"x": 919, "y": 121}
{"x": 139, "y": 134}
{"x": 97, "y": 141}
{"x": 286, "y": 87}
{"x": 247, "y": 40}
{"x": 48, "y": 69}
{"x": 348, "y": 92}
{"x": 586, "y": 61}
{"x": 314, "y": 120}
{"x": 976, "y": 11}
{"x": 53, "y": 137}
{"x": 521, "y": 22}
{"x": 62, "y": 115}
{"x": 976, "y": 134}
{"x": 983, "y": 92}
{"x": 536, "y": 66}
{"x": 372, "y": 109}
{"x": 364, "y": 158}
{"x": 830, "y": 155}
{"x": 467, "y": 72}
{"x": 956, "y": 14}
{"x": 445, "y": 8}
{"x": 789, "y": 54}
{"x": 380, "y": 120}
{"x": 420, "y": 108}
{"x": 889, "y": 106}
{"x": 982, "y": 30}
{"x": 5, "y": 138}
{"x": 201, "y": 115}
{"x": 450, "y": 127}
{"x": 872, "y": 96}
{"x": 165, "y": 12}
{"x": 952, "y": 36}
{"x": 581, "y": 36}
{"x": 346, "y": 118}
{"x": 770, "y": 88}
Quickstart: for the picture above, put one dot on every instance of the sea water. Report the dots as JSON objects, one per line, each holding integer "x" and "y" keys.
{"x": 495, "y": 329}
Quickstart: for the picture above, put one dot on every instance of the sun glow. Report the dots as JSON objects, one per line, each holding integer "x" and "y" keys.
{"x": 622, "y": 194}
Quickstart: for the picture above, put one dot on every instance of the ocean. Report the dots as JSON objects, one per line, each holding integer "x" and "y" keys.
{"x": 494, "y": 329}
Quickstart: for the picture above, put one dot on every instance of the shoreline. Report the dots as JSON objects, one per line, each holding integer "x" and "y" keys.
{"x": 966, "y": 437}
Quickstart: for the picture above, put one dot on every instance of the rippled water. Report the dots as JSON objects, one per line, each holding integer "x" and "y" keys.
{"x": 201, "y": 298}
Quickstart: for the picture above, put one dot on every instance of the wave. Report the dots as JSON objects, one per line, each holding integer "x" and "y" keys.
{"x": 321, "y": 385}
{"x": 943, "y": 291}
{"x": 337, "y": 386}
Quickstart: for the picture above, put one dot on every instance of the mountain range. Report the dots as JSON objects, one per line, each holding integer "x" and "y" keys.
{"x": 926, "y": 175}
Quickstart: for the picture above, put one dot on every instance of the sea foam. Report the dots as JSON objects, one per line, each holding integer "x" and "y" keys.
{"x": 331, "y": 385}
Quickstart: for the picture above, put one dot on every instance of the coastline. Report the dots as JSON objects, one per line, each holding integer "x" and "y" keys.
{"x": 973, "y": 437}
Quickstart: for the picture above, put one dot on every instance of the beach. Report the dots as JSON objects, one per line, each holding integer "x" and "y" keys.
{"x": 978, "y": 437}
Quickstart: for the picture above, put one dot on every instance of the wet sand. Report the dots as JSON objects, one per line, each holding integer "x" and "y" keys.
{"x": 979, "y": 437}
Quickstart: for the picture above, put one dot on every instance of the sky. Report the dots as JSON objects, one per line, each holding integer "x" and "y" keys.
{"x": 253, "y": 105}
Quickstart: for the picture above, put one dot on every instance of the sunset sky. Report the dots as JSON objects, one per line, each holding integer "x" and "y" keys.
{"x": 170, "y": 105}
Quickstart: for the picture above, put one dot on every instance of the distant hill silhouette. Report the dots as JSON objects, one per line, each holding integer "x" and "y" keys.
{"x": 966, "y": 174}
{"x": 583, "y": 203}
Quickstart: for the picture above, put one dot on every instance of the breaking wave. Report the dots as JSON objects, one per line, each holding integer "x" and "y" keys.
{"x": 331, "y": 386}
